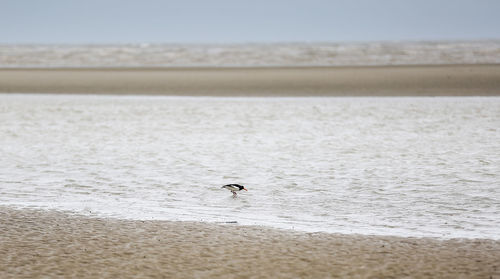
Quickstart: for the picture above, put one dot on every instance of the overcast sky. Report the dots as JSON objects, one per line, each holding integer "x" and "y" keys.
{"x": 238, "y": 21}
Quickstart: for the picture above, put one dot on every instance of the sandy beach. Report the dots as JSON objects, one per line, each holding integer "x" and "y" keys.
{"x": 48, "y": 244}
{"x": 421, "y": 80}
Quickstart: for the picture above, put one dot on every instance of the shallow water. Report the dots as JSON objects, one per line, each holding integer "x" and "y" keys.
{"x": 391, "y": 166}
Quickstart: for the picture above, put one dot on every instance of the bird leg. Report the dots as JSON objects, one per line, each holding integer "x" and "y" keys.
{"x": 234, "y": 194}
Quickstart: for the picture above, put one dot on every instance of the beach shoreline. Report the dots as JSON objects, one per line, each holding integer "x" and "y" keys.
{"x": 409, "y": 80}
{"x": 38, "y": 243}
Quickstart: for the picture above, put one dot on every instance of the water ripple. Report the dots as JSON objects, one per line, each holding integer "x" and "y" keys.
{"x": 399, "y": 166}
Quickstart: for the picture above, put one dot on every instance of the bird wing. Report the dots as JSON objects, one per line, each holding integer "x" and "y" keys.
{"x": 230, "y": 187}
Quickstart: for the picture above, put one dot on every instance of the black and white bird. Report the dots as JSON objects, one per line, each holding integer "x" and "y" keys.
{"x": 234, "y": 188}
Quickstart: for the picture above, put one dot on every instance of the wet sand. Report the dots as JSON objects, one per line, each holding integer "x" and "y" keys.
{"x": 36, "y": 244}
{"x": 436, "y": 80}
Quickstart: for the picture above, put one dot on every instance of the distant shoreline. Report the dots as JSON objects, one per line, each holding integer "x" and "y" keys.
{"x": 239, "y": 67}
{"x": 397, "y": 80}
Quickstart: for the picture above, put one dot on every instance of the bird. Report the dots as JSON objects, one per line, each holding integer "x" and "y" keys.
{"x": 234, "y": 188}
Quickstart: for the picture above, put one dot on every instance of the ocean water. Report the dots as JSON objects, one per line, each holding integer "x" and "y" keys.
{"x": 404, "y": 166}
{"x": 278, "y": 54}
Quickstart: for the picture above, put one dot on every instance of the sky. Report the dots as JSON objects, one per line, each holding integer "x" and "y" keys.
{"x": 243, "y": 21}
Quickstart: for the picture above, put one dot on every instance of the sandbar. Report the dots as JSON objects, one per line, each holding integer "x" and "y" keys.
{"x": 51, "y": 244}
{"x": 411, "y": 80}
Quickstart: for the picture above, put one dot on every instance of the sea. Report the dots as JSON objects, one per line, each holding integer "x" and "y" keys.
{"x": 251, "y": 54}
{"x": 403, "y": 166}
